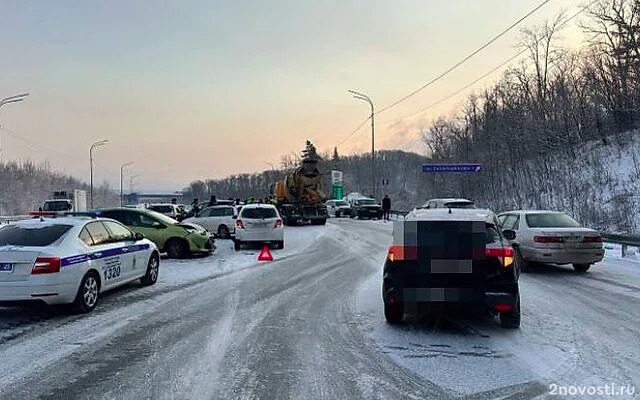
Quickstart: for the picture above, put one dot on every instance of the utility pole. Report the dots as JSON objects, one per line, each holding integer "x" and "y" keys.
{"x": 374, "y": 178}
{"x": 94, "y": 145}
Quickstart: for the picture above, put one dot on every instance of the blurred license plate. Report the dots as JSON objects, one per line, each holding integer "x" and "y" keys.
{"x": 6, "y": 267}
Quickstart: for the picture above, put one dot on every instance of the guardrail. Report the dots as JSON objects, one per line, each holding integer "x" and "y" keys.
{"x": 12, "y": 218}
{"x": 623, "y": 239}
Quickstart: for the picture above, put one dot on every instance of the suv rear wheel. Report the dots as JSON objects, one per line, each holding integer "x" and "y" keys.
{"x": 393, "y": 313}
{"x": 511, "y": 319}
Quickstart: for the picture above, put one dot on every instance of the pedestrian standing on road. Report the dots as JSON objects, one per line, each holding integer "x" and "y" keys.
{"x": 386, "y": 207}
{"x": 213, "y": 201}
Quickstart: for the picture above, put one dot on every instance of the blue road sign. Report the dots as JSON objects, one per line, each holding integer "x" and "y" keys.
{"x": 451, "y": 167}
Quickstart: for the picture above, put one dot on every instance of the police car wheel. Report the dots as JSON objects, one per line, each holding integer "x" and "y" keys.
{"x": 87, "y": 296}
{"x": 153, "y": 267}
{"x": 511, "y": 319}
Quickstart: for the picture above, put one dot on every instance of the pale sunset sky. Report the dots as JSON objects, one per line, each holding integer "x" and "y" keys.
{"x": 198, "y": 89}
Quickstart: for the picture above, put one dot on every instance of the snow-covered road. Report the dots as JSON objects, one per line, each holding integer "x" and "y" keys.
{"x": 310, "y": 325}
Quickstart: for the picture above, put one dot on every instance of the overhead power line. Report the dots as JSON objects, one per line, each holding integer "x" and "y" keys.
{"x": 503, "y": 64}
{"x": 459, "y": 63}
{"x": 353, "y": 132}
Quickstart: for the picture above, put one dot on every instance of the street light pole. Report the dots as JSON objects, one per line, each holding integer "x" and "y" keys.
{"x": 374, "y": 181}
{"x": 122, "y": 167}
{"x": 9, "y": 100}
{"x": 94, "y": 145}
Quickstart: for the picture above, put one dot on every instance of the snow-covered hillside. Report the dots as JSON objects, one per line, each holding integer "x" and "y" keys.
{"x": 597, "y": 183}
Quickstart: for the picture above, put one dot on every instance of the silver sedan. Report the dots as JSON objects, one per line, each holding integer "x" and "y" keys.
{"x": 551, "y": 237}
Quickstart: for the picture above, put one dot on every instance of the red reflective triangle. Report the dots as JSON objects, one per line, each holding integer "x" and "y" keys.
{"x": 265, "y": 254}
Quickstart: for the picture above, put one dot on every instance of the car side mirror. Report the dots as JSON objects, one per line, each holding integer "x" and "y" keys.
{"x": 138, "y": 236}
{"x": 509, "y": 234}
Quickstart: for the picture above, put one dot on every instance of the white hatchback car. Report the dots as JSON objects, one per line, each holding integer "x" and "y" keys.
{"x": 219, "y": 220}
{"x": 71, "y": 260}
{"x": 259, "y": 223}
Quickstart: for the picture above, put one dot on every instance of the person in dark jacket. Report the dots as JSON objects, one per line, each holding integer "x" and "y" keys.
{"x": 386, "y": 207}
{"x": 213, "y": 201}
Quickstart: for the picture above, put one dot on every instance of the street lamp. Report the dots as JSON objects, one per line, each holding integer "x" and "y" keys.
{"x": 96, "y": 144}
{"x": 364, "y": 97}
{"x": 122, "y": 167}
{"x": 9, "y": 100}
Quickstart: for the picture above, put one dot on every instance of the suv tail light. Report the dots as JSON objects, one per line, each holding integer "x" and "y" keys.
{"x": 504, "y": 254}
{"x": 277, "y": 224}
{"x": 548, "y": 239}
{"x": 239, "y": 224}
{"x": 592, "y": 239}
{"x": 402, "y": 253}
{"x": 46, "y": 265}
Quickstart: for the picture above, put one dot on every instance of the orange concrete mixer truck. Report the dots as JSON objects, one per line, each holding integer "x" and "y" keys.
{"x": 299, "y": 197}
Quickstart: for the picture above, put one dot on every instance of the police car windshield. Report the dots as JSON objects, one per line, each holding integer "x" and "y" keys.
{"x": 341, "y": 203}
{"x": 32, "y": 236}
{"x": 366, "y": 202}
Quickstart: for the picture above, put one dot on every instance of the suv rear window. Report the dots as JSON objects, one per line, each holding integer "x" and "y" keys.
{"x": 551, "y": 220}
{"x": 37, "y": 236}
{"x": 459, "y": 204}
{"x": 259, "y": 213}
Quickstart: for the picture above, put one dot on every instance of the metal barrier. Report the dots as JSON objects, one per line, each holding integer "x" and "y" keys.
{"x": 13, "y": 218}
{"x": 623, "y": 239}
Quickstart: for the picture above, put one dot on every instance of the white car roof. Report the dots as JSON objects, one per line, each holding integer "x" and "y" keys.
{"x": 73, "y": 221}
{"x": 258, "y": 205}
{"x": 456, "y": 214}
{"x": 533, "y": 212}
{"x": 451, "y": 200}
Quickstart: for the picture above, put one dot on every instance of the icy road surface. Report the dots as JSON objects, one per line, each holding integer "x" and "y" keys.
{"x": 309, "y": 325}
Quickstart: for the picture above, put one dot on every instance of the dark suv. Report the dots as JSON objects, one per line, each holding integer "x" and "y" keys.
{"x": 366, "y": 208}
{"x": 451, "y": 259}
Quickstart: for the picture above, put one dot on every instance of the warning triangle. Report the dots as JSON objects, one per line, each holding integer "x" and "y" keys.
{"x": 265, "y": 254}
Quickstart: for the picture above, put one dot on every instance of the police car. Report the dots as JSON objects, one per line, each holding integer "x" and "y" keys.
{"x": 445, "y": 259}
{"x": 71, "y": 260}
